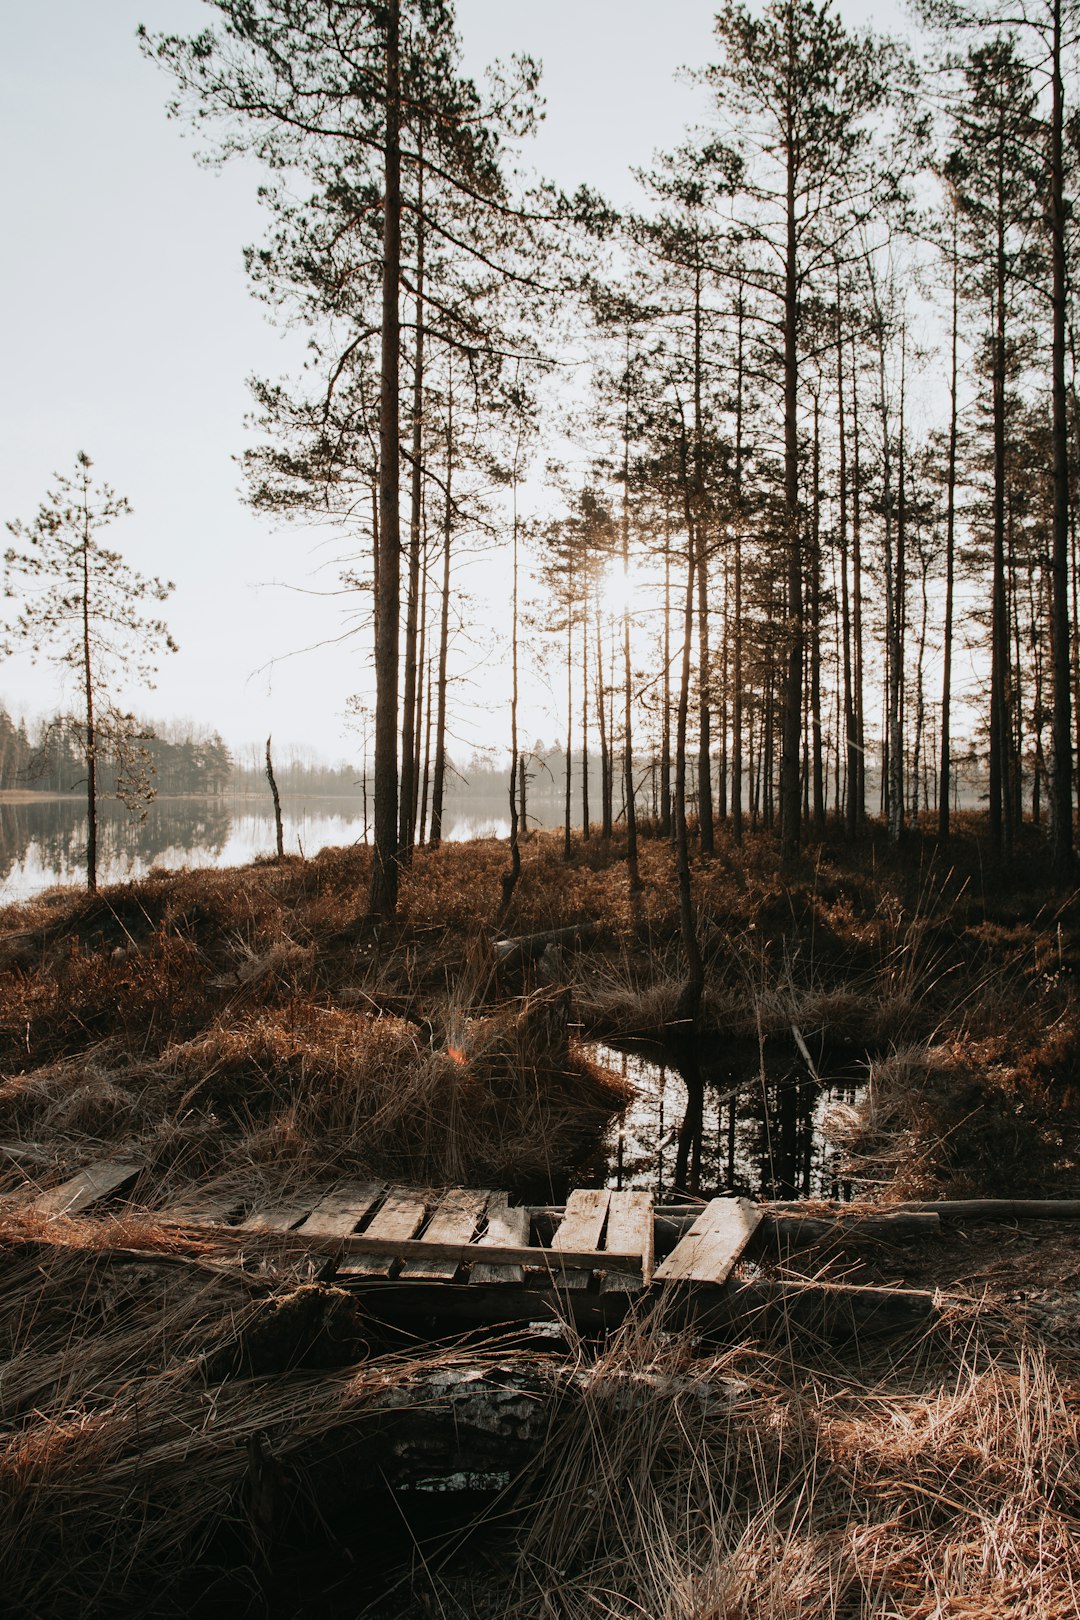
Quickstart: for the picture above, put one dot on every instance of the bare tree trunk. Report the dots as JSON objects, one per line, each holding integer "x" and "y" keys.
{"x": 409, "y": 726}
{"x": 945, "y": 773}
{"x": 601, "y": 726}
{"x": 705, "y": 806}
{"x": 277, "y": 801}
{"x": 567, "y": 845}
{"x": 628, "y": 737}
{"x": 1062, "y": 797}
{"x": 737, "y": 672}
{"x": 999, "y": 631}
{"x": 510, "y": 877}
{"x": 438, "y": 783}
{"x": 851, "y": 755}
{"x": 585, "y": 818}
{"x": 665, "y": 734}
{"x": 791, "y": 742}
{"x": 858, "y": 787}
{"x": 690, "y": 1000}
{"x": 899, "y": 621}
{"x": 88, "y": 696}
{"x": 422, "y": 721}
{"x": 426, "y": 779}
{"x": 815, "y": 629}
{"x": 385, "y": 864}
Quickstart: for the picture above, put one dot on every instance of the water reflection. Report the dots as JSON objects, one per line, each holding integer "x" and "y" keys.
{"x": 43, "y": 841}
{"x": 714, "y": 1118}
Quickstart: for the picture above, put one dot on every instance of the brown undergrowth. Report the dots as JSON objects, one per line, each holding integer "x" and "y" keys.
{"x": 251, "y": 1030}
{"x": 941, "y": 1482}
{"x": 170, "y": 1431}
{"x": 259, "y": 1007}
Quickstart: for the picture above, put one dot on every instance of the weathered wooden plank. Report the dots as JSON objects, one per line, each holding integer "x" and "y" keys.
{"x": 401, "y": 1215}
{"x": 504, "y": 1225}
{"x": 630, "y": 1226}
{"x": 421, "y": 1248}
{"x": 281, "y": 1216}
{"x": 95, "y": 1182}
{"x": 457, "y": 1215}
{"x": 581, "y": 1226}
{"x": 708, "y": 1252}
{"x": 339, "y": 1212}
{"x": 203, "y": 1211}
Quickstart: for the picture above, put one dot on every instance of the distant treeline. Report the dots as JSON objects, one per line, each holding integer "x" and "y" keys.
{"x": 50, "y": 757}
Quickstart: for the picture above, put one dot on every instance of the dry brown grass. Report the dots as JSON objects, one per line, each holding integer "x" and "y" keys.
{"x": 937, "y": 1481}
{"x": 132, "y": 1394}
{"x": 946, "y": 1485}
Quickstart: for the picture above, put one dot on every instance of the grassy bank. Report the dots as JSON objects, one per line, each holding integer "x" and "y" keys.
{"x": 250, "y": 1027}
{"x": 257, "y": 1008}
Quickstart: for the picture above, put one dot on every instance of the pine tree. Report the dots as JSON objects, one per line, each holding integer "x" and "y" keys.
{"x": 82, "y": 608}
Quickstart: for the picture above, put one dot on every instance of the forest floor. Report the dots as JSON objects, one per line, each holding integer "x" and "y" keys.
{"x": 251, "y": 1023}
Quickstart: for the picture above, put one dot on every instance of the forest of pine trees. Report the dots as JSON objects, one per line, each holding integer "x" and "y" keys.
{"x": 50, "y": 757}
{"x": 819, "y": 454}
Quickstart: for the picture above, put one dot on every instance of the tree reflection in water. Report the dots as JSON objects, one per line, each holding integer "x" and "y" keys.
{"x": 712, "y": 1117}
{"x": 44, "y": 841}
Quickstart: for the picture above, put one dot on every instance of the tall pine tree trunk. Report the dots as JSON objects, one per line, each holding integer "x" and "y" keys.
{"x": 945, "y": 771}
{"x": 791, "y": 738}
{"x": 384, "y": 881}
{"x": 737, "y": 720}
{"x": 1059, "y": 556}
{"x": 88, "y": 702}
{"x": 409, "y": 728}
{"x": 815, "y": 630}
{"x": 438, "y": 778}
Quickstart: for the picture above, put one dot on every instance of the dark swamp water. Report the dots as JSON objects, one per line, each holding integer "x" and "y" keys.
{"x": 723, "y": 1116}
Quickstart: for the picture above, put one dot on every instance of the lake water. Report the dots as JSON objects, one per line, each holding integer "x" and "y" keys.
{"x": 43, "y": 842}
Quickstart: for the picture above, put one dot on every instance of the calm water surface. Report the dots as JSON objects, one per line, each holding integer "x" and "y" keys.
{"x": 719, "y": 1123}
{"x": 43, "y": 842}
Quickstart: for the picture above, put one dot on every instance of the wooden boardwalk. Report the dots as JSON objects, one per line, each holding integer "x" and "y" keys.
{"x": 600, "y": 1253}
{"x": 462, "y": 1256}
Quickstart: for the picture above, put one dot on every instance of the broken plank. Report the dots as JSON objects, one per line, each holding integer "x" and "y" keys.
{"x": 282, "y": 1216}
{"x": 206, "y": 1211}
{"x": 398, "y": 1219}
{"x": 95, "y": 1182}
{"x": 457, "y": 1215}
{"x": 504, "y": 1225}
{"x": 708, "y": 1252}
{"x": 581, "y": 1226}
{"x": 630, "y": 1226}
{"x": 340, "y": 1212}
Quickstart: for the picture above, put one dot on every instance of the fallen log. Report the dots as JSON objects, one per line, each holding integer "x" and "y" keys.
{"x": 957, "y": 1209}
{"x": 779, "y": 1231}
{"x": 998, "y": 1209}
{"x": 515, "y": 953}
{"x": 783, "y": 1232}
{"x": 476, "y": 1427}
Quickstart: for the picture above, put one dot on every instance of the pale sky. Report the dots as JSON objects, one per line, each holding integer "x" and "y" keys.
{"x": 127, "y": 329}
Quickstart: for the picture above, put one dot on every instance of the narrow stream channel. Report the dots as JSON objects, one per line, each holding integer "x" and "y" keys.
{"x": 713, "y": 1120}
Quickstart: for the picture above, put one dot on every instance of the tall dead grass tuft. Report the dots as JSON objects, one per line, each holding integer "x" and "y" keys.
{"x": 747, "y": 1487}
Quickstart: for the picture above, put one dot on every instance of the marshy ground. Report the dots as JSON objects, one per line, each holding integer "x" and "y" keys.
{"x": 250, "y": 1025}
